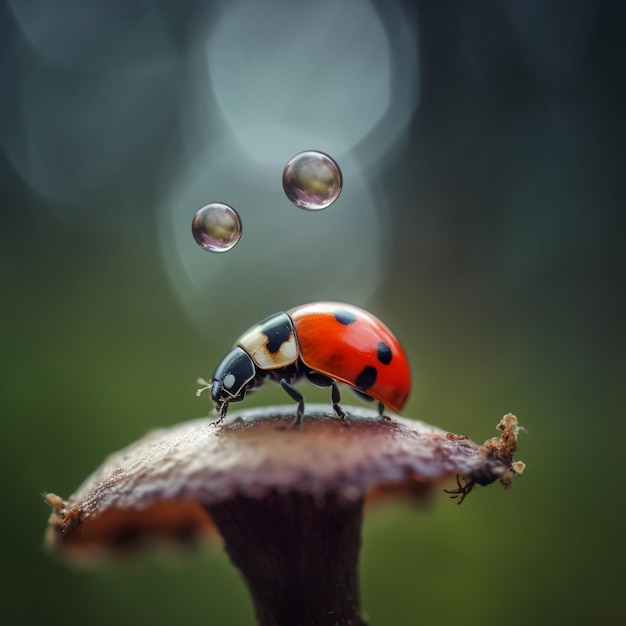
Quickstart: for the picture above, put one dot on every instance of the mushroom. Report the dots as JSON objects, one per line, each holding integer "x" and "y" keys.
{"x": 287, "y": 502}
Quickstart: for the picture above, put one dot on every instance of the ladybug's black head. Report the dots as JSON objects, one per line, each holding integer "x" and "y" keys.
{"x": 231, "y": 379}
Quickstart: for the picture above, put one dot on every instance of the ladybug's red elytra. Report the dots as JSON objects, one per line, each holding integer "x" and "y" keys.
{"x": 326, "y": 342}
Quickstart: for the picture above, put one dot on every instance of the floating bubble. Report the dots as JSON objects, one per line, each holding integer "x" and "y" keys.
{"x": 216, "y": 227}
{"x": 312, "y": 180}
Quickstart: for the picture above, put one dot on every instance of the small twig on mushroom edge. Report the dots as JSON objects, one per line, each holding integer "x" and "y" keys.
{"x": 462, "y": 490}
{"x": 502, "y": 450}
{"x": 287, "y": 502}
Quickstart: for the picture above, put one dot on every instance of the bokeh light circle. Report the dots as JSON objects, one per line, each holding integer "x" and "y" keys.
{"x": 345, "y": 71}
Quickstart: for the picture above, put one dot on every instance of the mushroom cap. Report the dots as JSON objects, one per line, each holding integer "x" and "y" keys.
{"x": 160, "y": 487}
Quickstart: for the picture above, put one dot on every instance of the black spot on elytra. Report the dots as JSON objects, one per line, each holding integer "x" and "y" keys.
{"x": 383, "y": 353}
{"x": 344, "y": 317}
{"x": 366, "y": 378}
{"x": 277, "y": 335}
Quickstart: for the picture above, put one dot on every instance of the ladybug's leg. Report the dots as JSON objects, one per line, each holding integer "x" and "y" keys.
{"x": 320, "y": 380}
{"x": 223, "y": 410}
{"x": 336, "y": 397}
{"x": 297, "y": 396}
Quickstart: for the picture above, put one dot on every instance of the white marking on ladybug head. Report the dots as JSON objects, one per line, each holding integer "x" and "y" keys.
{"x": 229, "y": 381}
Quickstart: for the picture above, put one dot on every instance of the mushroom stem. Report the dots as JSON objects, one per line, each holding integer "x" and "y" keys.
{"x": 298, "y": 555}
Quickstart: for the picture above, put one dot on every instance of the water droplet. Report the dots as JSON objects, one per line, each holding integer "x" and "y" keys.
{"x": 216, "y": 227}
{"x": 312, "y": 180}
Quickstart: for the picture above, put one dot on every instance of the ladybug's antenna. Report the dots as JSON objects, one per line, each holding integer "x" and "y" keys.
{"x": 205, "y": 386}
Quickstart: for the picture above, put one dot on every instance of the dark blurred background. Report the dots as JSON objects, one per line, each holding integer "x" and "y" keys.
{"x": 482, "y": 146}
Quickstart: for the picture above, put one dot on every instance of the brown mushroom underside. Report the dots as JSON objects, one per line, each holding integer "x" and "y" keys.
{"x": 162, "y": 486}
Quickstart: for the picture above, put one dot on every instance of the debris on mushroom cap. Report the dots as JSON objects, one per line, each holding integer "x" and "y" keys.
{"x": 160, "y": 486}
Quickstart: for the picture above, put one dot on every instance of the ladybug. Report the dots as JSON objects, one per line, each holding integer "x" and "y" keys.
{"x": 326, "y": 342}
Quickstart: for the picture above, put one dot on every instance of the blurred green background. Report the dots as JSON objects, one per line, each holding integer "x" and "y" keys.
{"x": 482, "y": 219}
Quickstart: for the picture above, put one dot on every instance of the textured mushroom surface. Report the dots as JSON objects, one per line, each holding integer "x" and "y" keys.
{"x": 161, "y": 486}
